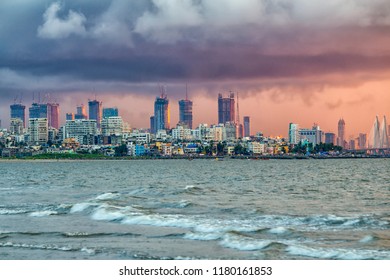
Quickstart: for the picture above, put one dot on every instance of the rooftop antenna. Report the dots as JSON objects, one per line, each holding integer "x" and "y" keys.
{"x": 21, "y": 97}
{"x": 186, "y": 92}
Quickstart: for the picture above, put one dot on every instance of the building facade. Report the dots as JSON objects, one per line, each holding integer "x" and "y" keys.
{"x": 95, "y": 111}
{"x": 38, "y": 131}
{"x": 110, "y": 112}
{"x": 226, "y": 109}
{"x": 161, "y": 114}
{"x": 293, "y": 133}
{"x": 18, "y": 111}
{"x": 112, "y": 126}
{"x": 78, "y": 129}
{"x": 185, "y": 113}
{"x": 53, "y": 115}
{"x": 247, "y": 126}
{"x": 341, "y": 133}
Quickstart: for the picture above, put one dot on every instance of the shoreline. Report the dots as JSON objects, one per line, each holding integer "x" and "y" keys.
{"x": 216, "y": 158}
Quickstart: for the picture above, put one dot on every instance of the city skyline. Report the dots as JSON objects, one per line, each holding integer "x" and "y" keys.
{"x": 288, "y": 62}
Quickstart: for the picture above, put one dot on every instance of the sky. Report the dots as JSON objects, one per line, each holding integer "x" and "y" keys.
{"x": 300, "y": 61}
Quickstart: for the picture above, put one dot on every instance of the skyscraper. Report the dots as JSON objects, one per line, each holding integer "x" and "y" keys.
{"x": 95, "y": 111}
{"x": 247, "y": 126}
{"x": 110, "y": 112}
{"x": 81, "y": 113}
{"x": 38, "y": 111}
{"x": 53, "y": 112}
{"x": 330, "y": 138}
{"x": 161, "y": 113}
{"x": 38, "y": 131}
{"x": 152, "y": 130}
{"x": 293, "y": 133}
{"x": 341, "y": 133}
{"x": 18, "y": 111}
{"x": 185, "y": 112}
{"x": 226, "y": 109}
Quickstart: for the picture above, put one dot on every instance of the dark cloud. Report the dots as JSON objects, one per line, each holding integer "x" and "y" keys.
{"x": 120, "y": 46}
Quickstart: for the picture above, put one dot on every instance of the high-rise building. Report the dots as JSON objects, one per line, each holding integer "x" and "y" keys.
{"x": 38, "y": 130}
{"x": 16, "y": 126}
{"x": 38, "y": 111}
{"x": 161, "y": 113}
{"x": 152, "y": 130}
{"x": 341, "y": 133}
{"x": 247, "y": 126}
{"x": 330, "y": 138}
{"x": 80, "y": 130}
{"x": 110, "y": 112}
{"x": 293, "y": 133}
{"x": 53, "y": 112}
{"x": 362, "y": 140}
{"x": 69, "y": 116}
{"x": 18, "y": 111}
{"x": 112, "y": 126}
{"x": 185, "y": 112}
{"x": 95, "y": 111}
{"x": 314, "y": 135}
{"x": 226, "y": 111}
{"x": 81, "y": 113}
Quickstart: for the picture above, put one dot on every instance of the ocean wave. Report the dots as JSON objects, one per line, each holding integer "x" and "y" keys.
{"x": 243, "y": 243}
{"x": 107, "y": 196}
{"x": 339, "y": 254}
{"x": 203, "y": 236}
{"x": 80, "y": 207}
{"x": 43, "y": 213}
{"x": 12, "y": 211}
{"x": 37, "y": 246}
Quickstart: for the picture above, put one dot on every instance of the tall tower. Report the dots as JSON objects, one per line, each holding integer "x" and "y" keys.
{"x": 95, "y": 111}
{"x": 161, "y": 113}
{"x": 341, "y": 133}
{"x": 247, "y": 126}
{"x": 185, "y": 111}
{"x": 18, "y": 111}
{"x": 226, "y": 109}
{"x": 110, "y": 112}
{"x": 293, "y": 133}
{"x": 53, "y": 112}
{"x": 38, "y": 111}
{"x": 81, "y": 113}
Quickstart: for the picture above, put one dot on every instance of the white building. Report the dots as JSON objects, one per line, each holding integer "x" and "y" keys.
{"x": 79, "y": 128}
{"x": 16, "y": 126}
{"x": 293, "y": 133}
{"x": 256, "y": 147}
{"x": 38, "y": 130}
{"x": 181, "y": 133}
{"x": 139, "y": 137}
{"x": 112, "y": 126}
{"x": 314, "y": 135}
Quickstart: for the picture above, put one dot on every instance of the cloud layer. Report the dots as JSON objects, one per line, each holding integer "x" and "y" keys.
{"x": 288, "y": 47}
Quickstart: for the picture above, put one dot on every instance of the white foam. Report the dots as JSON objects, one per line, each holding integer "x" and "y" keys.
{"x": 88, "y": 251}
{"x": 188, "y": 187}
{"x": 278, "y": 230}
{"x": 107, "y": 196}
{"x": 102, "y": 214}
{"x": 340, "y": 254}
{"x": 35, "y": 246}
{"x": 202, "y": 236}
{"x": 243, "y": 243}
{"x": 43, "y": 213}
{"x": 159, "y": 220}
{"x": 11, "y": 211}
{"x": 80, "y": 207}
{"x": 184, "y": 203}
{"x": 367, "y": 239}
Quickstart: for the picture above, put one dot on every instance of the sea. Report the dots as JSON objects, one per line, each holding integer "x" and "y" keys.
{"x": 201, "y": 209}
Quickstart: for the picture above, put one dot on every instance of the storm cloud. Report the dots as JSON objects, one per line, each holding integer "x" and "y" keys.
{"x": 119, "y": 46}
